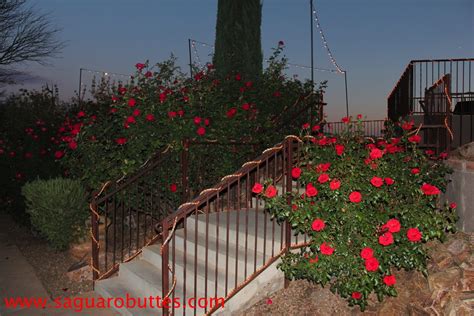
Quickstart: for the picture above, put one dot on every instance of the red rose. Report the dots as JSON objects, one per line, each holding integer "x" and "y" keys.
{"x": 132, "y": 102}
{"x": 359, "y": 116}
{"x": 148, "y": 74}
{"x": 238, "y": 77}
{"x": 389, "y": 280}
{"x": 231, "y": 113}
{"x": 346, "y": 120}
{"x": 407, "y": 125}
{"x": 393, "y": 225}
{"x": 323, "y": 167}
{"x": 453, "y": 205}
{"x": 415, "y": 171}
{"x": 355, "y": 197}
{"x": 413, "y": 234}
{"x": 197, "y": 120}
{"x": 316, "y": 128}
{"x": 375, "y": 153}
{"x": 201, "y": 131}
{"x": 121, "y": 140}
{"x": 311, "y": 190}
{"x": 271, "y": 191}
{"x": 72, "y": 145}
{"x": 371, "y": 264}
{"x": 162, "y": 97}
{"x": 296, "y": 172}
{"x": 245, "y": 106}
{"x": 207, "y": 122}
{"x": 389, "y": 181}
{"x": 443, "y": 155}
{"x": 173, "y": 187}
{"x": 136, "y": 112}
{"x": 305, "y": 126}
{"x": 130, "y": 120}
{"x": 335, "y": 184}
{"x": 318, "y": 225}
{"x": 257, "y": 188}
{"x": 376, "y": 182}
{"x": 180, "y": 113}
{"x": 150, "y": 117}
{"x": 314, "y": 260}
{"x": 58, "y": 154}
{"x": 81, "y": 114}
{"x": 326, "y": 249}
{"x": 323, "y": 178}
{"x": 140, "y": 66}
{"x": 367, "y": 253}
{"x": 429, "y": 189}
{"x": 356, "y": 295}
{"x": 386, "y": 239}
{"x": 414, "y": 139}
{"x": 171, "y": 114}
{"x": 339, "y": 149}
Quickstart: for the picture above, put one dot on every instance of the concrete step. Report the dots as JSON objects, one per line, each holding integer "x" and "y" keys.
{"x": 252, "y": 223}
{"x": 152, "y": 255}
{"x": 118, "y": 288}
{"x": 230, "y": 258}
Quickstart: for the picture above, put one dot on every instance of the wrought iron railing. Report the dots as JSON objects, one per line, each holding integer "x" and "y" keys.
{"x": 124, "y": 214}
{"x": 439, "y": 94}
{"x": 236, "y": 214}
{"x": 370, "y": 128}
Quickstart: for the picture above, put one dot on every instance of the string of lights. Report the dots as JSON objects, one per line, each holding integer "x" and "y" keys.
{"x": 105, "y": 73}
{"x": 196, "y": 54}
{"x": 325, "y": 43}
{"x": 197, "y": 58}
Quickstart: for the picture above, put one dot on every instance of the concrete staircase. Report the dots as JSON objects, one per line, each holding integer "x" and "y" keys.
{"x": 239, "y": 242}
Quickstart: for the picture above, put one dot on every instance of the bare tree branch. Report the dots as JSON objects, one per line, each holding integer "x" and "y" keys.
{"x": 25, "y": 36}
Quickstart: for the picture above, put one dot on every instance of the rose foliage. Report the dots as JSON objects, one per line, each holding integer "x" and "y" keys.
{"x": 365, "y": 213}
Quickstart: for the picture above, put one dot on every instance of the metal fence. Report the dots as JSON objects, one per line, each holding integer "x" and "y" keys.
{"x": 439, "y": 94}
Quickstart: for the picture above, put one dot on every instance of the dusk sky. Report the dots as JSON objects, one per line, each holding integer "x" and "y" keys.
{"x": 372, "y": 39}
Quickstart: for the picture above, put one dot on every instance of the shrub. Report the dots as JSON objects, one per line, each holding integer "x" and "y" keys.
{"x": 368, "y": 206}
{"x": 57, "y": 208}
{"x": 28, "y": 124}
{"x": 161, "y": 107}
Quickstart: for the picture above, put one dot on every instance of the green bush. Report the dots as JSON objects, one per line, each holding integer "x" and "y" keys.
{"x": 57, "y": 209}
{"x": 368, "y": 206}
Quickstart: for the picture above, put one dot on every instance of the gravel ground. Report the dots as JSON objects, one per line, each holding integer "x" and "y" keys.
{"x": 50, "y": 265}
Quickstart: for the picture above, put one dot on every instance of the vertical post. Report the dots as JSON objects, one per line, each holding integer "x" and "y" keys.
{"x": 190, "y": 59}
{"x": 289, "y": 181}
{"x": 164, "y": 267}
{"x": 312, "y": 42}
{"x": 347, "y": 96}
{"x": 184, "y": 171}
{"x": 95, "y": 239}
{"x": 80, "y": 86}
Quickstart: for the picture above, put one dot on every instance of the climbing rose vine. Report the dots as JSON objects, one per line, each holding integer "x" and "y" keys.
{"x": 366, "y": 212}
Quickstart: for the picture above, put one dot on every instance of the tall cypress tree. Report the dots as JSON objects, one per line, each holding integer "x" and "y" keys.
{"x": 238, "y": 44}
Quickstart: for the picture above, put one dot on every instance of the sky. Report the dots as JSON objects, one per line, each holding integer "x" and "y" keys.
{"x": 373, "y": 40}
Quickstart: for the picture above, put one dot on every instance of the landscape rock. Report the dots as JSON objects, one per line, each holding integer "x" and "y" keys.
{"x": 79, "y": 275}
{"x": 467, "y": 151}
{"x": 444, "y": 280}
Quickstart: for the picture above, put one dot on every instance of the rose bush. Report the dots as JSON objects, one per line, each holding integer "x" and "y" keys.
{"x": 161, "y": 108}
{"x": 365, "y": 211}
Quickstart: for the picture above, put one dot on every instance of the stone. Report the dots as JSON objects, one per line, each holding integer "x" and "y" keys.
{"x": 392, "y": 307}
{"x": 80, "y": 250}
{"x": 441, "y": 260}
{"x": 444, "y": 280}
{"x": 79, "y": 275}
{"x": 415, "y": 310}
{"x": 467, "y": 151}
{"x": 467, "y": 279}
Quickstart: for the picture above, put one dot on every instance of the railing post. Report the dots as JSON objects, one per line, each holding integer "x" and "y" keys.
{"x": 184, "y": 171}
{"x": 95, "y": 238}
{"x": 164, "y": 267}
{"x": 289, "y": 180}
